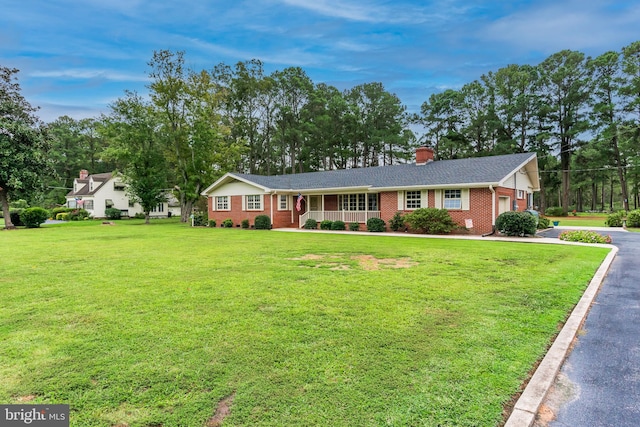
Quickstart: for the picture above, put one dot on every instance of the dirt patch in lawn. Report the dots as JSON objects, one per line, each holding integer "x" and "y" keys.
{"x": 366, "y": 262}
{"x": 222, "y": 411}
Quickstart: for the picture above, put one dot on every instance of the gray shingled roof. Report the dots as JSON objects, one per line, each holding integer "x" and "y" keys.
{"x": 477, "y": 170}
{"x": 98, "y": 178}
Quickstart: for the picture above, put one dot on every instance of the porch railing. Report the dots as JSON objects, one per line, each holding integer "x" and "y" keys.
{"x": 345, "y": 216}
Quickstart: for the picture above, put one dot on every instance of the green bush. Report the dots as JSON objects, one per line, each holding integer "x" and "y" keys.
{"x": 19, "y": 204}
{"x": 633, "y": 218}
{"x": 200, "y": 219}
{"x": 33, "y": 217}
{"x": 62, "y": 209}
{"x": 244, "y": 223}
{"x": 354, "y": 226}
{"x": 514, "y": 223}
{"x": 14, "y": 214}
{"x": 227, "y": 223}
{"x": 62, "y": 216}
{"x": 311, "y": 224}
{"x": 139, "y": 215}
{"x": 554, "y": 211}
{"x": 78, "y": 214}
{"x": 543, "y": 223}
{"x": 396, "y": 222}
{"x": 113, "y": 213}
{"x": 325, "y": 225}
{"x": 376, "y": 225}
{"x": 615, "y": 219}
{"x": 338, "y": 225}
{"x": 584, "y": 236}
{"x": 262, "y": 222}
{"x": 212, "y": 223}
{"x": 430, "y": 221}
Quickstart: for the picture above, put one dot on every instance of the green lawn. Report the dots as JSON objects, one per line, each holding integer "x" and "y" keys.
{"x": 581, "y": 221}
{"x": 136, "y": 325}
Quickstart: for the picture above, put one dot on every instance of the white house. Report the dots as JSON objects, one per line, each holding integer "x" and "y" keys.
{"x": 95, "y": 193}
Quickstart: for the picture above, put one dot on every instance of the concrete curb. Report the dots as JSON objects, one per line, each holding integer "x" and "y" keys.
{"x": 526, "y": 408}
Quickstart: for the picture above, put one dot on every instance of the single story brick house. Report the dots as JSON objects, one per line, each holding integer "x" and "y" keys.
{"x": 97, "y": 192}
{"x": 474, "y": 191}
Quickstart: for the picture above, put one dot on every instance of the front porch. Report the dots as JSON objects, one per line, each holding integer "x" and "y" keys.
{"x": 344, "y": 216}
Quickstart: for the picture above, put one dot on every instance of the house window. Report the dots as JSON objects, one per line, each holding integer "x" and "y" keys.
{"x": 452, "y": 199}
{"x": 373, "y": 202}
{"x": 118, "y": 186}
{"x": 131, "y": 203}
{"x": 284, "y": 205}
{"x": 254, "y": 202}
{"x": 158, "y": 208}
{"x": 108, "y": 203}
{"x": 358, "y": 202}
{"x": 88, "y": 204}
{"x": 520, "y": 194}
{"x": 413, "y": 199}
{"x": 222, "y": 203}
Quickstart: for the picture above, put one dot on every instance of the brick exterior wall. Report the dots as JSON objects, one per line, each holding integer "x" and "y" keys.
{"x": 479, "y": 212}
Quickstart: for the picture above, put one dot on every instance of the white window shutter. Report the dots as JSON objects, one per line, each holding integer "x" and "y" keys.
{"x": 424, "y": 198}
{"x": 438, "y": 199}
{"x": 244, "y": 203}
{"x": 464, "y": 196}
{"x": 262, "y": 202}
{"x": 400, "y": 200}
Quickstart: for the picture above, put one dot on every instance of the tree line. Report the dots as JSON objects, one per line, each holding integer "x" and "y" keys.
{"x": 581, "y": 115}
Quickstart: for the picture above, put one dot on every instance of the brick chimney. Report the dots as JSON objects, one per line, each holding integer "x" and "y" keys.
{"x": 424, "y": 155}
{"x": 84, "y": 174}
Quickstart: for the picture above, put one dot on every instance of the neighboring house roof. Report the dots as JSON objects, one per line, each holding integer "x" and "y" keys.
{"x": 99, "y": 179}
{"x": 470, "y": 172}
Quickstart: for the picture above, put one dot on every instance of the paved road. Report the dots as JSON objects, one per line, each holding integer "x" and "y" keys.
{"x": 599, "y": 383}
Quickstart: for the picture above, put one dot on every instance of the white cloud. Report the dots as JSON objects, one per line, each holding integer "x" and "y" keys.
{"x": 590, "y": 26}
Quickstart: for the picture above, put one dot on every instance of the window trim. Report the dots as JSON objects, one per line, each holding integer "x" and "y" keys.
{"x": 218, "y": 202}
{"x": 445, "y": 199}
{"x": 416, "y": 203}
{"x": 255, "y": 204}
{"x": 283, "y": 198}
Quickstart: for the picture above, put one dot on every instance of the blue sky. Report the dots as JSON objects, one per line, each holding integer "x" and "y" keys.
{"x": 77, "y": 56}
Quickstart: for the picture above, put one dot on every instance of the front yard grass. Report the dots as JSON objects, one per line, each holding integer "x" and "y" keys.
{"x": 136, "y": 325}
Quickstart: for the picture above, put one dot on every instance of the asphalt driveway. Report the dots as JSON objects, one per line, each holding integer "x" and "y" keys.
{"x": 599, "y": 383}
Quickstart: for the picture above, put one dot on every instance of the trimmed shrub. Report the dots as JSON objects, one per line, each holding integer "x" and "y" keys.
{"x": 338, "y": 225}
{"x": 633, "y": 218}
{"x": 614, "y": 219}
{"x": 33, "y": 217}
{"x": 584, "y": 236}
{"x": 543, "y": 223}
{"x": 139, "y": 215}
{"x": 14, "y": 214}
{"x": 354, "y": 226}
{"x": 244, "y": 223}
{"x": 62, "y": 216}
{"x": 554, "y": 211}
{"x": 56, "y": 211}
{"x": 113, "y": 213}
{"x": 227, "y": 223}
{"x": 325, "y": 225}
{"x": 376, "y": 225}
{"x": 262, "y": 222}
{"x": 516, "y": 223}
{"x": 78, "y": 214}
{"x": 396, "y": 222}
{"x": 430, "y": 221}
{"x": 311, "y": 224}
{"x": 212, "y": 223}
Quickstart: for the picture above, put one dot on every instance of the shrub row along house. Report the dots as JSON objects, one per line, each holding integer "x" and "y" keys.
{"x": 98, "y": 192}
{"x": 474, "y": 191}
